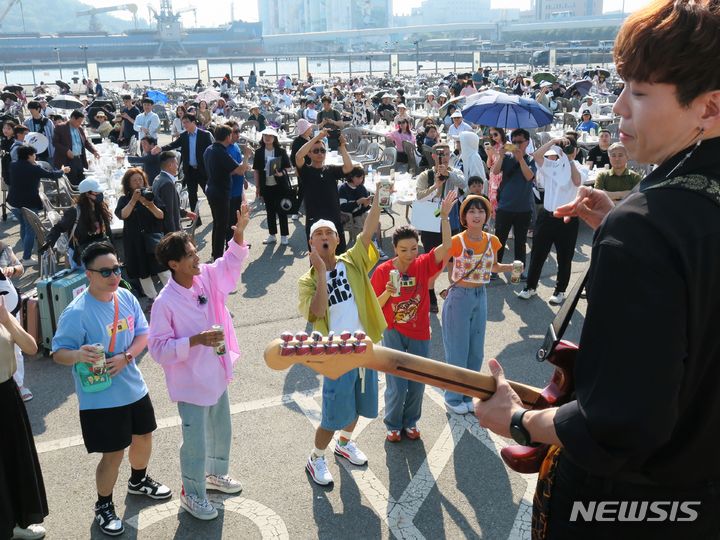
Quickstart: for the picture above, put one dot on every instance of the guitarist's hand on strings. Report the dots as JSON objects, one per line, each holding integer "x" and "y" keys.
{"x": 495, "y": 413}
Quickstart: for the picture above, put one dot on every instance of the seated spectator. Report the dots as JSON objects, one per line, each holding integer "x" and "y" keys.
{"x": 458, "y": 125}
{"x": 203, "y": 114}
{"x": 598, "y": 156}
{"x": 104, "y": 127}
{"x": 403, "y": 133}
{"x": 257, "y": 117}
{"x": 619, "y": 180}
{"x": 402, "y": 114}
{"x": 586, "y": 122}
{"x": 355, "y": 200}
{"x": 86, "y": 222}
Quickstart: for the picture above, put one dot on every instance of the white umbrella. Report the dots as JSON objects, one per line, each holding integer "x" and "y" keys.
{"x": 208, "y": 95}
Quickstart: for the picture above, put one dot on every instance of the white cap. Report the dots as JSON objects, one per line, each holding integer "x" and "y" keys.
{"x": 90, "y": 184}
{"x": 269, "y": 131}
{"x": 320, "y": 223}
{"x": 456, "y": 114}
{"x": 552, "y": 152}
{"x": 401, "y": 106}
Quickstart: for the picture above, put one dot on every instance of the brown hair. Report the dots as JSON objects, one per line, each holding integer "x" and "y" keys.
{"x": 125, "y": 182}
{"x": 670, "y": 42}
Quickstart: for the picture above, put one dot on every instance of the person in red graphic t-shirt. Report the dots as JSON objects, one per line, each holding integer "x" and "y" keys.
{"x": 408, "y": 317}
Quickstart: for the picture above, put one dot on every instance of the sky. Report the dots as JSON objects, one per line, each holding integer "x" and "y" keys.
{"x": 217, "y": 12}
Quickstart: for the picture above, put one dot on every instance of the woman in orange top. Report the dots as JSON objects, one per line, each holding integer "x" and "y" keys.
{"x": 464, "y": 313}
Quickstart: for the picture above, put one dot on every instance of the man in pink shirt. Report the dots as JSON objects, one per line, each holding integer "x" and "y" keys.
{"x": 198, "y": 358}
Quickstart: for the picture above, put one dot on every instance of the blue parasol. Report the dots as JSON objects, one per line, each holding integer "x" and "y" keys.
{"x": 491, "y": 108}
{"x": 157, "y": 96}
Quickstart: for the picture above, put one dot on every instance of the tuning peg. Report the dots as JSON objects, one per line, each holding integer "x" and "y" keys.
{"x": 360, "y": 347}
{"x": 316, "y": 336}
{"x": 330, "y": 337}
{"x": 316, "y": 347}
{"x": 301, "y": 337}
{"x": 346, "y": 348}
{"x": 286, "y": 349}
{"x": 345, "y": 335}
{"x": 359, "y": 335}
{"x": 332, "y": 348}
{"x": 302, "y": 350}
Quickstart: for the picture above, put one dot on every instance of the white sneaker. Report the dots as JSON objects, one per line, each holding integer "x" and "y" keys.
{"x": 223, "y": 483}
{"x": 557, "y": 298}
{"x": 29, "y": 262}
{"x": 526, "y": 294}
{"x": 32, "y": 532}
{"x": 470, "y": 407}
{"x": 318, "y": 469}
{"x": 284, "y": 240}
{"x": 270, "y": 239}
{"x": 351, "y": 452}
{"x": 295, "y": 217}
{"x": 197, "y": 507}
{"x": 457, "y": 409}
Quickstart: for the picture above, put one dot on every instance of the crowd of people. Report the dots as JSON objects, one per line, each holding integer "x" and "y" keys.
{"x": 485, "y": 182}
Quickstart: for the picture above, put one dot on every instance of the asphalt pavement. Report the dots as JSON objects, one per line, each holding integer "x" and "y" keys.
{"x": 450, "y": 484}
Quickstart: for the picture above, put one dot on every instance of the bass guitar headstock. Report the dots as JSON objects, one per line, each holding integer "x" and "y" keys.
{"x": 332, "y": 355}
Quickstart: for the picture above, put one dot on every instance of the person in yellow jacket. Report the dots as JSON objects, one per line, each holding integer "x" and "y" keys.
{"x": 335, "y": 296}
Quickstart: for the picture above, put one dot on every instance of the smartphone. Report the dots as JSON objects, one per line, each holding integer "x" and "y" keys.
{"x": 510, "y": 147}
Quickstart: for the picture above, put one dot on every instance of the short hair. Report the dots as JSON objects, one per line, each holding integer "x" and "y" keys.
{"x": 520, "y": 131}
{"x": 172, "y": 247}
{"x": 438, "y": 146}
{"x": 232, "y": 123}
{"x": 148, "y": 100}
{"x": 95, "y": 250}
{"x": 604, "y": 130}
{"x": 20, "y": 129}
{"x": 166, "y": 156}
{"x": 222, "y": 133}
{"x": 670, "y": 42}
{"x": 77, "y": 114}
{"x": 475, "y": 180}
{"x": 616, "y": 146}
{"x": 572, "y": 134}
{"x": 132, "y": 171}
{"x": 478, "y": 201}
{"x": 34, "y": 105}
{"x": 357, "y": 170}
{"x": 326, "y": 98}
{"x": 190, "y": 117}
{"x": 149, "y": 140}
{"x": 10, "y": 123}
{"x": 125, "y": 97}
{"x": 405, "y": 232}
{"x": 25, "y": 151}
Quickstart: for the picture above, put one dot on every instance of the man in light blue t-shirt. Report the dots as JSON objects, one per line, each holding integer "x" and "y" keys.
{"x": 121, "y": 415}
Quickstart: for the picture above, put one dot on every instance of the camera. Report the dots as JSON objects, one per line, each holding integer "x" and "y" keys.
{"x": 569, "y": 148}
{"x": 147, "y": 194}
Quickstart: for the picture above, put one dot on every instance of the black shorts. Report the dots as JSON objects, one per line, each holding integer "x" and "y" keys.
{"x": 111, "y": 429}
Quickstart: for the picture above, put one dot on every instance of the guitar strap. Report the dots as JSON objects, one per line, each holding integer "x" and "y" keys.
{"x": 698, "y": 184}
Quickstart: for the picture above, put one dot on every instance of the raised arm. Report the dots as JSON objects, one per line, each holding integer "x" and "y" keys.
{"x": 445, "y": 208}
{"x": 305, "y": 149}
{"x": 371, "y": 222}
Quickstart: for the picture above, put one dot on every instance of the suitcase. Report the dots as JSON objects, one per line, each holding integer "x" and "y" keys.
{"x": 30, "y": 316}
{"x": 54, "y": 295}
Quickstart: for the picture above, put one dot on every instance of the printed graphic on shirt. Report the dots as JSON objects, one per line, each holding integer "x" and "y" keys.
{"x": 479, "y": 266}
{"x": 406, "y": 311}
{"x": 338, "y": 287}
{"x": 123, "y": 325}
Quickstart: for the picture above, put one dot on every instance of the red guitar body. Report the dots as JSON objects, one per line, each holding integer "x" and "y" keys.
{"x": 560, "y": 389}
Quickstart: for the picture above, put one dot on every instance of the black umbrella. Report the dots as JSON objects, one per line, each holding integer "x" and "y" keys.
{"x": 62, "y": 84}
{"x": 13, "y": 88}
{"x": 583, "y": 88}
{"x": 8, "y": 95}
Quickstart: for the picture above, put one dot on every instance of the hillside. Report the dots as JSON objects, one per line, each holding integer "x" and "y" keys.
{"x": 50, "y": 16}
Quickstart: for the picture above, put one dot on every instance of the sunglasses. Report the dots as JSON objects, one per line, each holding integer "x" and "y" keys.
{"x": 518, "y": 141}
{"x": 107, "y": 272}
{"x": 319, "y": 151}
{"x": 236, "y": 131}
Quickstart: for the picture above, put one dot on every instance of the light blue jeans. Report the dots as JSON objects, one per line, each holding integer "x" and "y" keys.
{"x": 207, "y": 434}
{"x": 403, "y": 398}
{"x": 464, "y": 317}
{"x": 27, "y": 233}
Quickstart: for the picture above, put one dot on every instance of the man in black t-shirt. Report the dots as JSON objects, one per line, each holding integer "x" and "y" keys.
{"x": 320, "y": 184}
{"x": 331, "y": 120}
{"x": 598, "y": 156}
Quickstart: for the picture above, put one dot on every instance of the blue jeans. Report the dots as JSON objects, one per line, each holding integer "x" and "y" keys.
{"x": 403, "y": 398}
{"x": 207, "y": 434}
{"x": 27, "y": 233}
{"x": 464, "y": 317}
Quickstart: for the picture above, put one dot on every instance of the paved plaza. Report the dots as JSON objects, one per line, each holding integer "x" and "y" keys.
{"x": 450, "y": 484}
